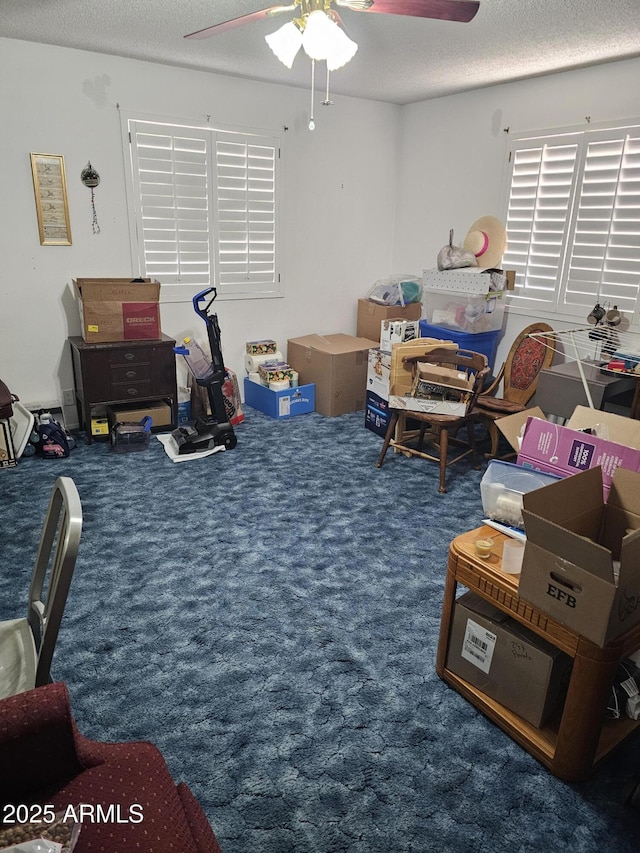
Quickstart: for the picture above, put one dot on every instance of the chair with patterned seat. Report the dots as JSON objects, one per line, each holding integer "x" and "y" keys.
{"x": 519, "y": 376}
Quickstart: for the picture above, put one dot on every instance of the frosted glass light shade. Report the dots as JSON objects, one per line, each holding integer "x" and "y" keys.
{"x": 323, "y": 39}
{"x": 285, "y": 43}
{"x": 342, "y": 50}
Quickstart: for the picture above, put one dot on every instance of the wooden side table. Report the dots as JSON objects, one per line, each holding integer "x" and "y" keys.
{"x": 123, "y": 372}
{"x": 572, "y": 743}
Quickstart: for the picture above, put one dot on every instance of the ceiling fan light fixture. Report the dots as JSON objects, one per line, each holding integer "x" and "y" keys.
{"x": 322, "y": 39}
{"x": 285, "y": 43}
{"x": 342, "y": 51}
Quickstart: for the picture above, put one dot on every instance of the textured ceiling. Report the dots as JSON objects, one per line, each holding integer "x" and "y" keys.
{"x": 399, "y": 59}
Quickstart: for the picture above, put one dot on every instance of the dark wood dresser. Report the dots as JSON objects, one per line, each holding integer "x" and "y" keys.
{"x": 123, "y": 372}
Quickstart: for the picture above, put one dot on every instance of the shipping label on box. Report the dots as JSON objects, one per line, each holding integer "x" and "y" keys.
{"x": 560, "y": 450}
{"x": 581, "y": 561}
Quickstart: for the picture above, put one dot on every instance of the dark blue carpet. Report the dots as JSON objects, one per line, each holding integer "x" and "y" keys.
{"x": 269, "y": 618}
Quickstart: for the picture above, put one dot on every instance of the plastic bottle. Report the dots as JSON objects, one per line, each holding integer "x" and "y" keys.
{"x": 198, "y": 361}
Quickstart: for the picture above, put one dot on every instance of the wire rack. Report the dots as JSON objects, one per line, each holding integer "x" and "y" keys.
{"x": 596, "y": 346}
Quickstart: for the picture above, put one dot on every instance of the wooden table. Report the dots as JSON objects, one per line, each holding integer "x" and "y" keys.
{"x": 579, "y": 736}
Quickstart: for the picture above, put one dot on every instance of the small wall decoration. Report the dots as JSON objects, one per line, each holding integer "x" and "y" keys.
{"x": 49, "y": 184}
{"x": 90, "y": 178}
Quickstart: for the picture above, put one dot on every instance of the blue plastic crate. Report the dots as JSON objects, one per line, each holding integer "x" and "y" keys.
{"x": 483, "y": 342}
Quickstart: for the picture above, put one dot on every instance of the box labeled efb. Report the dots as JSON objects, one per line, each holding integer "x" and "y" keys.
{"x": 581, "y": 561}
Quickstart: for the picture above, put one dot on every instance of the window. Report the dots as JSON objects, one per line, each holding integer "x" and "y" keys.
{"x": 204, "y": 208}
{"x": 573, "y": 220}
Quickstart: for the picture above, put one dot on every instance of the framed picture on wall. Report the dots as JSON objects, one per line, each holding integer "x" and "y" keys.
{"x": 50, "y": 187}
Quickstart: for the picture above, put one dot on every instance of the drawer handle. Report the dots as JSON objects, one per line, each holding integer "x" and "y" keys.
{"x": 130, "y": 356}
{"x": 131, "y": 374}
{"x": 132, "y": 392}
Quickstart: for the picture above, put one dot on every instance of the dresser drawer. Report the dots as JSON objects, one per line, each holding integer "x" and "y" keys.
{"x": 129, "y": 355}
{"x": 130, "y": 373}
{"x": 130, "y": 390}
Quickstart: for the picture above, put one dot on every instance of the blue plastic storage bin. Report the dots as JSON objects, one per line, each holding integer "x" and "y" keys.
{"x": 484, "y": 342}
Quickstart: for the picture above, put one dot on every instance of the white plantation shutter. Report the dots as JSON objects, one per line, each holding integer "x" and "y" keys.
{"x": 173, "y": 173}
{"x": 246, "y": 212}
{"x": 573, "y": 220}
{"x": 604, "y": 263}
{"x": 205, "y": 208}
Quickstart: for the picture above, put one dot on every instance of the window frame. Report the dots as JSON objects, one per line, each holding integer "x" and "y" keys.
{"x": 209, "y": 131}
{"x": 559, "y": 307}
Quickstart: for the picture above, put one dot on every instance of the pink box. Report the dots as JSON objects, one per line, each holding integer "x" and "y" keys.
{"x": 563, "y": 451}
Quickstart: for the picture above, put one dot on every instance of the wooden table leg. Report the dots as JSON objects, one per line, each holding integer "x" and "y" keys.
{"x": 448, "y": 601}
{"x": 581, "y": 724}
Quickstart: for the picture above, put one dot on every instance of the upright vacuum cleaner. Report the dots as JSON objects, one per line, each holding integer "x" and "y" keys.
{"x": 213, "y": 430}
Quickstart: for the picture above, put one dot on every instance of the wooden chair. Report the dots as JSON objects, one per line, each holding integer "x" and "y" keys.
{"x": 438, "y": 430}
{"x": 519, "y": 375}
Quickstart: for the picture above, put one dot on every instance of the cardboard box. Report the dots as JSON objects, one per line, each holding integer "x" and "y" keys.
{"x": 379, "y": 372}
{"x": 376, "y": 414}
{"x": 401, "y": 380}
{"x": 118, "y": 309}
{"x": 397, "y": 332}
{"x": 371, "y": 314}
{"x": 279, "y": 404}
{"x": 505, "y": 660}
{"x": 565, "y": 450}
{"x": 336, "y": 365}
{"x": 575, "y": 539}
{"x": 7, "y": 452}
{"x": 160, "y": 413}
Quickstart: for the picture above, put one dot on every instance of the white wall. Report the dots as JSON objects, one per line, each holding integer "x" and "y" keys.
{"x": 340, "y": 184}
{"x": 453, "y": 152}
{"x": 373, "y": 190}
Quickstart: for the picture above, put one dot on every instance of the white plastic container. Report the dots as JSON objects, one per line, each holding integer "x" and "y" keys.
{"x": 464, "y": 312}
{"x": 198, "y": 361}
{"x": 502, "y": 487}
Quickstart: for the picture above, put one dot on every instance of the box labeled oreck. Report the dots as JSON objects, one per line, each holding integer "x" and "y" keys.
{"x": 336, "y": 365}
{"x": 118, "y": 309}
{"x": 505, "y": 660}
{"x": 581, "y": 561}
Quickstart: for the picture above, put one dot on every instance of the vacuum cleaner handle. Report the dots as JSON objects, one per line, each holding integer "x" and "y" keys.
{"x": 199, "y": 297}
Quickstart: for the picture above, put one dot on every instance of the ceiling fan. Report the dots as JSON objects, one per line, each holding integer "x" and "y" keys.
{"x": 318, "y": 28}
{"x": 446, "y": 10}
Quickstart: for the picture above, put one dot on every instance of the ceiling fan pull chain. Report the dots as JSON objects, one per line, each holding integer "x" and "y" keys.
{"x": 327, "y": 101}
{"x": 312, "y": 124}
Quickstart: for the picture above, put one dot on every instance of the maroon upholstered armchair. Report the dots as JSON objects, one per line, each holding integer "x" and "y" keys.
{"x": 45, "y": 760}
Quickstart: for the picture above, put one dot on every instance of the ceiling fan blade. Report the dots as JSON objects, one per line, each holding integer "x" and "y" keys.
{"x": 270, "y": 12}
{"x": 446, "y": 10}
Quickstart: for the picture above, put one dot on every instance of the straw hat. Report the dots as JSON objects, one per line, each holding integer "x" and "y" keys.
{"x": 487, "y": 239}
